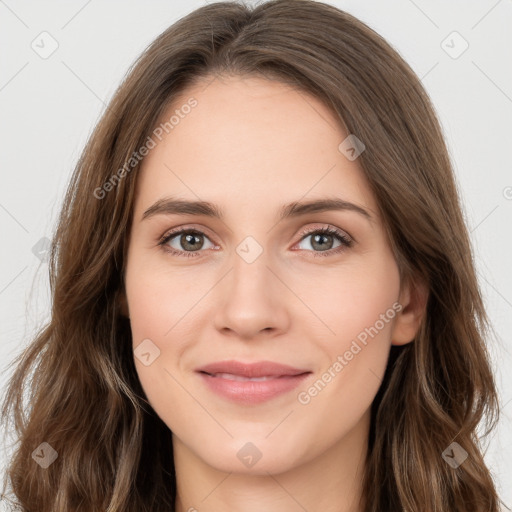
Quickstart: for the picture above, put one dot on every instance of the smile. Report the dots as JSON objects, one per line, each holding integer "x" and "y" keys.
{"x": 250, "y": 390}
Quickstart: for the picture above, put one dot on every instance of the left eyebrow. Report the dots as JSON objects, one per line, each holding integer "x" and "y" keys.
{"x": 296, "y": 208}
{"x": 170, "y": 206}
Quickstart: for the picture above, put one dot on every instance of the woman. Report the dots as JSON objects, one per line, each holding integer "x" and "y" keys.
{"x": 263, "y": 288}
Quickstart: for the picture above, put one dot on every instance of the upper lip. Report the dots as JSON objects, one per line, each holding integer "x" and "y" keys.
{"x": 258, "y": 369}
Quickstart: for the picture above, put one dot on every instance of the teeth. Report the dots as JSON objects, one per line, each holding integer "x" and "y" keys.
{"x": 229, "y": 376}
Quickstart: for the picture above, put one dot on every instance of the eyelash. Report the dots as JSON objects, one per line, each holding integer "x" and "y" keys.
{"x": 345, "y": 240}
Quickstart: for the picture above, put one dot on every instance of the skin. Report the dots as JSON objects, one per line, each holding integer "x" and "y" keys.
{"x": 250, "y": 146}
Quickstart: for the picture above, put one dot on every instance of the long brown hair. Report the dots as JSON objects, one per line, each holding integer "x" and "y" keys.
{"x": 86, "y": 402}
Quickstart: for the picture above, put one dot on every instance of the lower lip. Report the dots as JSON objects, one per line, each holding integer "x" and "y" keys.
{"x": 252, "y": 392}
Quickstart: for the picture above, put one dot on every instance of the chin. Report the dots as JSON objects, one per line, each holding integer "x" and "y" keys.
{"x": 240, "y": 455}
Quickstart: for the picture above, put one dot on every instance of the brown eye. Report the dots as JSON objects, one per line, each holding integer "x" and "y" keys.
{"x": 323, "y": 241}
{"x": 185, "y": 241}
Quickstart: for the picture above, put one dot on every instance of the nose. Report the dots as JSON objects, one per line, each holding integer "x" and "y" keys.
{"x": 252, "y": 299}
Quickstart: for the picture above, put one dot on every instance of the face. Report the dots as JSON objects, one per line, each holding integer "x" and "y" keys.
{"x": 260, "y": 281}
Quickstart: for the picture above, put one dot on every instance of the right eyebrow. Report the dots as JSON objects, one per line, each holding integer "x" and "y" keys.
{"x": 169, "y": 206}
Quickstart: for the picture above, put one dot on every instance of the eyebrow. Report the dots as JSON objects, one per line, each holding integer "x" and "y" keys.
{"x": 171, "y": 206}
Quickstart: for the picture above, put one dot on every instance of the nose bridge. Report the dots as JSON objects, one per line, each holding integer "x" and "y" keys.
{"x": 251, "y": 276}
{"x": 251, "y": 301}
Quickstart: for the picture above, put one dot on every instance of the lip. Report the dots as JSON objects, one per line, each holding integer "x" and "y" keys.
{"x": 230, "y": 379}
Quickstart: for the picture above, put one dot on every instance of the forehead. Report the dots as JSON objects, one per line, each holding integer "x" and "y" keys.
{"x": 246, "y": 140}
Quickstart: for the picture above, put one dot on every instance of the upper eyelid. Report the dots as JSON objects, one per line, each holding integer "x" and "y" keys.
{"x": 178, "y": 230}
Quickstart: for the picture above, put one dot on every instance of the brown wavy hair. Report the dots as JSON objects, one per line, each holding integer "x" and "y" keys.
{"x": 85, "y": 399}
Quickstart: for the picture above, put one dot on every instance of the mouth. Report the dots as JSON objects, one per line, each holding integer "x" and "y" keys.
{"x": 240, "y": 378}
{"x": 251, "y": 383}
{"x": 254, "y": 370}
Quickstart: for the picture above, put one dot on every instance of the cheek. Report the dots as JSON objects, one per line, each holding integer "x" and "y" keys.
{"x": 164, "y": 323}
{"x": 357, "y": 315}
{"x": 158, "y": 315}
{"x": 354, "y": 300}
{"x": 150, "y": 311}
{"x": 355, "y": 348}
{"x": 161, "y": 303}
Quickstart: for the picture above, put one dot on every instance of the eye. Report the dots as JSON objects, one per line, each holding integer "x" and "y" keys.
{"x": 324, "y": 238}
{"x": 190, "y": 240}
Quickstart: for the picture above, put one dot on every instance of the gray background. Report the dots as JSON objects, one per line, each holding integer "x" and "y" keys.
{"x": 50, "y": 105}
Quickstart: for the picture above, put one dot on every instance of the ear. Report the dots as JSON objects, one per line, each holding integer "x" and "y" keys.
{"x": 123, "y": 304}
{"x": 413, "y": 299}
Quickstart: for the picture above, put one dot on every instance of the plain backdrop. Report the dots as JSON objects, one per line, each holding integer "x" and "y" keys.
{"x": 50, "y": 103}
